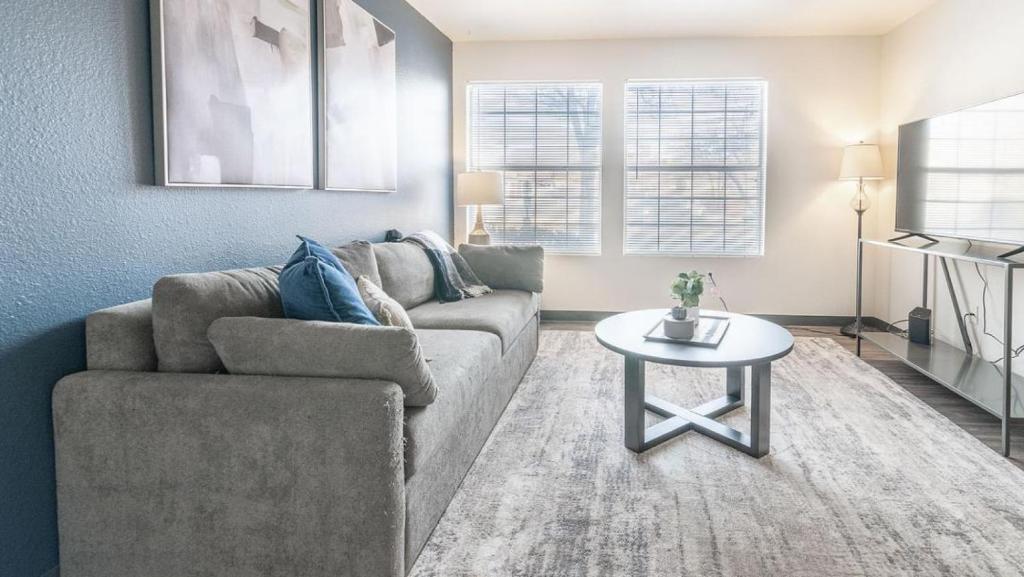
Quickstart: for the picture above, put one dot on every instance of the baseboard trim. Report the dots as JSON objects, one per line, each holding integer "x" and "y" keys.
{"x": 805, "y": 320}
{"x": 877, "y": 323}
{"x": 815, "y": 320}
{"x": 575, "y": 316}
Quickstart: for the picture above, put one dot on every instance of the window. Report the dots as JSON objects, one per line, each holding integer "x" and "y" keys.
{"x": 546, "y": 140}
{"x": 695, "y": 155}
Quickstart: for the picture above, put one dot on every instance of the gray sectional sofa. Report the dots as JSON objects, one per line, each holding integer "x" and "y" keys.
{"x": 168, "y": 465}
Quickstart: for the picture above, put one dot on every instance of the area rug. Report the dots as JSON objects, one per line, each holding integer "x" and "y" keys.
{"x": 863, "y": 479}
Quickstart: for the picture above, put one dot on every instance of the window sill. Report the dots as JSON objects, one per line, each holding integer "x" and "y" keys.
{"x": 704, "y": 255}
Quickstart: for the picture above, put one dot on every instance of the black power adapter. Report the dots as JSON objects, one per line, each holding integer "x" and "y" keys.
{"x": 919, "y": 326}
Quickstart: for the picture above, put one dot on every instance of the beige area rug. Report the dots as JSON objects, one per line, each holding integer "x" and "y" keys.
{"x": 863, "y": 479}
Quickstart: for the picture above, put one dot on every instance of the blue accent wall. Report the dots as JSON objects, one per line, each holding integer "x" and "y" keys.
{"x": 82, "y": 227}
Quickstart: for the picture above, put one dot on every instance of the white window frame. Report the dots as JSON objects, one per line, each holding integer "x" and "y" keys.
{"x": 470, "y": 164}
{"x": 763, "y": 168}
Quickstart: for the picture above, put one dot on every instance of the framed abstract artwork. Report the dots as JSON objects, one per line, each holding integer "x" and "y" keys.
{"x": 357, "y": 99}
{"x": 233, "y": 93}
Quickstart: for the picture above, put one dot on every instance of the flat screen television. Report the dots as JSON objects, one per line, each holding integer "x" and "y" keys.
{"x": 961, "y": 174}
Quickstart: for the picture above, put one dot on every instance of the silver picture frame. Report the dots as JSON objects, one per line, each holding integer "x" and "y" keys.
{"x": 292, "y": 107}
{"x": 367, "y": 138}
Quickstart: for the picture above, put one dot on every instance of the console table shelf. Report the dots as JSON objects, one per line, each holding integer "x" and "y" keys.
{"x": 969, "y": 376}
{"x": 994, "y": 388}
{"x": 986, "y": 255}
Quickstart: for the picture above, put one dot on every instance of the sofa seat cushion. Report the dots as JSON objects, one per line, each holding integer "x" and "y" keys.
{"x": 503, "y": 313}
{"x": 460, "y": 363}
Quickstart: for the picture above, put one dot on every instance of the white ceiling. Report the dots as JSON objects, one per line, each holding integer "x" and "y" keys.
{"x": 483, "y": 20}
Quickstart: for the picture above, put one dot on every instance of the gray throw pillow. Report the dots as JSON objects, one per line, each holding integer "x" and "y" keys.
{"x": 507, "y": 267}
{"x": 294, "y": 348}
{"x": 359, "y": 260}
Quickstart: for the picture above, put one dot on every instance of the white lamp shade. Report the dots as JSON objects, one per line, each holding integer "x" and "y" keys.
{"x": 861, "y": 161}
{"x": 474, "y": 188}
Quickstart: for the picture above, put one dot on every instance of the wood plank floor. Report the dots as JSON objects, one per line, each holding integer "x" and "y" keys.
{"x": 975, "y": 421}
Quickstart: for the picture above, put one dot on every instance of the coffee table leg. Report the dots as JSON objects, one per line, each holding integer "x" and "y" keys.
{"x": 760, "y": 409}
{"x": 679, "y": 420}
{"x": 734, "y": 382}
{"x": 635, "y": 417}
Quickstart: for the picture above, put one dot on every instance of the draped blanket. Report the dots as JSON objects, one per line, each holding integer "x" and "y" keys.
{"x": 454, "y": 280}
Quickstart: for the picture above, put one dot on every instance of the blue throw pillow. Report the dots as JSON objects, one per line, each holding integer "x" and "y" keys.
{"x": 317, "y": 288}
{"x": 309, "y": 247}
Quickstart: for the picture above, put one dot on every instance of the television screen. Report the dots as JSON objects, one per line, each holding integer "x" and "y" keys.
{"x": 962, "y": 174}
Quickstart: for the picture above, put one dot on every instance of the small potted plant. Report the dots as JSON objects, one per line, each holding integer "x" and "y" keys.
{"x": 687, "y": 288}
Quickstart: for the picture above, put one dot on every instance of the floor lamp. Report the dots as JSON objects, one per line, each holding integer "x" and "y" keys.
{"x": 860, "y": 162}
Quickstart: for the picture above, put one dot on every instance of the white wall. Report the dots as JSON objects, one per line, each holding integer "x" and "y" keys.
{"x": 823, "y": 94}
{"x": 956, "y": 54}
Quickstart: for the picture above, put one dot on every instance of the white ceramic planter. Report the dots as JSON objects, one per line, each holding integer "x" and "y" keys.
{"x": 679, "y": 329}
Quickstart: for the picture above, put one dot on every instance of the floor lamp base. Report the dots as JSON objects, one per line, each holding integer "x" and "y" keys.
{"x": 850, "y": 330}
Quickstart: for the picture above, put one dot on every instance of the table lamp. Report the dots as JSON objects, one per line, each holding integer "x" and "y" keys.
{"x": 860, "y": 162}
{"x": 479, "y": 189}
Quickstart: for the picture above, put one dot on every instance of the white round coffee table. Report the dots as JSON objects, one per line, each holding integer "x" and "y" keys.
{"x": 749, "y": 342}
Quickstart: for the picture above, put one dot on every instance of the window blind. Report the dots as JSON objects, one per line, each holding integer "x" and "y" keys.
{"x": 694, "y": 182}
{"x": 546, "y": 140}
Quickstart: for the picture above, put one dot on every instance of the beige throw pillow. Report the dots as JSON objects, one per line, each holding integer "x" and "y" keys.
{"x": 386, "y": 309}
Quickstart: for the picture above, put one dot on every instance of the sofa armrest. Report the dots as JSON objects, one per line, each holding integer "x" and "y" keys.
{"x": 121, "y": 338}
{"x": 294, "y": 348}
{"x": 506, "y": 266}
{"x": 195, "y": 474}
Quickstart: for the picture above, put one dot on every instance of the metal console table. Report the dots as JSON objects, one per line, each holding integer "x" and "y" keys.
{"x": 996, "y": 390}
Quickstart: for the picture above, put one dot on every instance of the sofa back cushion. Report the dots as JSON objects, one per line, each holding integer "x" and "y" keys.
{"x": 406, "y": 274}
{"x": 359, "y": 260}
{"x": 184, "y": 306}
{"x": 507, "y": 267}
